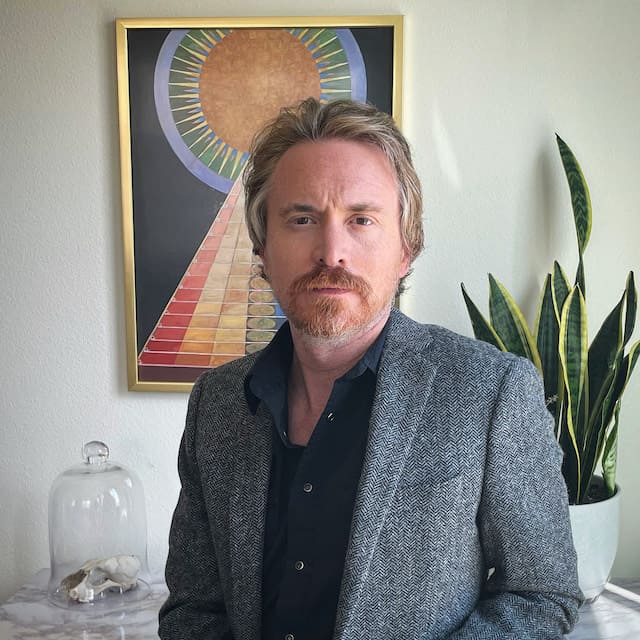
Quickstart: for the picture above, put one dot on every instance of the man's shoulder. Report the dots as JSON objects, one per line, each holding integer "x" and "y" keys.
{"x": 446, "y": 348}
{"x": 407, "y": 333}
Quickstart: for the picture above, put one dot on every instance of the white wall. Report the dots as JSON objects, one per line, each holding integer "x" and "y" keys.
{"x": 486, "y": 85}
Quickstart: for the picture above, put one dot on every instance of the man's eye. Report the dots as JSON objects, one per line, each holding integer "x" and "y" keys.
{"x": 302, "y": 220}
{"x": 363, "y": 220}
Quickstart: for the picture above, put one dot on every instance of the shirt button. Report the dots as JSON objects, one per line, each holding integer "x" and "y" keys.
{"x": 299, "y": 565}
{"x": 307, "y": 487}
{"x": 330, "y": 416}
{"x": 289, "y": 636}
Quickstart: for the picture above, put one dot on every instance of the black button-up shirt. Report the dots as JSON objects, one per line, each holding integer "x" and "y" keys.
{"x": 311, "y": 493}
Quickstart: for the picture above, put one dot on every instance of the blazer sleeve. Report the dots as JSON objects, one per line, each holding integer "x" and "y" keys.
{"x": 524, "y": 523}
{"x": 195, "y": 607}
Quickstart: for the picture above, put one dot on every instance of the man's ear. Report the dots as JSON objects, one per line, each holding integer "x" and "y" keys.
{"x": 260, "y": 253}
{"x": 405, "y": 264}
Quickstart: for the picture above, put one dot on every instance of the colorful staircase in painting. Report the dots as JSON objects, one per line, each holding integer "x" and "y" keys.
{"x": 222, "y": 308}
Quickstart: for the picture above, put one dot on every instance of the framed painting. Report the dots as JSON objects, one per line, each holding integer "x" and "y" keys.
{"x": 191, "y": 93}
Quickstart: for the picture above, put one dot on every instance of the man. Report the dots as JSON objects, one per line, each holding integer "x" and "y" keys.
{"x": 364, "y": 476}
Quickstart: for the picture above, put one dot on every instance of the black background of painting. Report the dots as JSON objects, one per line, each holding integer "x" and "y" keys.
{"x": 172, "y": 209}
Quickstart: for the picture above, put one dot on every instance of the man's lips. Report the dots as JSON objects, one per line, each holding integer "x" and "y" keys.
{"x": 329, "y": 291}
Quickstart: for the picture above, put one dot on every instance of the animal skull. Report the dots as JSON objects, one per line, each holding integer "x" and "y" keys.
{"x": 96, "y": 576}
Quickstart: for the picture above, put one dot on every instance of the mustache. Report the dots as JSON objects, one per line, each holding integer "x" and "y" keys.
{"x": 321, "y": 277}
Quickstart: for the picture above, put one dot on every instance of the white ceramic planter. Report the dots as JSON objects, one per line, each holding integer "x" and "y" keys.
{"x": 595, "y": 536}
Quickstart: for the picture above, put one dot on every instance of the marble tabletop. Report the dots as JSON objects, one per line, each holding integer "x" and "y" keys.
{"x": 28, "y": 615}
{"x": 615, "y": 615}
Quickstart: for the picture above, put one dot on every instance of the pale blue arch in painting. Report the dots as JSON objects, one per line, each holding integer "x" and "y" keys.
{"x": 356, "y": 64}
{"x": 167, "y": 123}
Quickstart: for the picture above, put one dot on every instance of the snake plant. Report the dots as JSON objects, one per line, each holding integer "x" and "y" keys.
{"x": 583, "y": 383}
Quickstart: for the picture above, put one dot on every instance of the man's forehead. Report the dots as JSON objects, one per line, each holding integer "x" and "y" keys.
{"x": 313, "y": 174}
{"x": 337, "y": 159}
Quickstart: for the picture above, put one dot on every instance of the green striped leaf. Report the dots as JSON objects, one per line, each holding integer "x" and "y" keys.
{"x": 482, "y": 330}
{"x": 609, "y": 372}
{"x": 580, "y": 198}
{"x": 610, "y": 456}
{"x": 546, "y": 332}
{"x": 632, "y": 307}
{"x": 603, "y": 350}
{"x": 631, "y": 359}
{"x": 560, "y": 288}
{"x": 580, "y": 277}
{"x": 560, "y": 403}
{"x": 604, "y": 411}
{"x": 601, "y": 414}
{"x": 510, "y": 324}
{"x": 628, "y": 365}
{"x": 573, "y": 356}
{"x": 599, "y": 432}
{"x": 571, "y": 469}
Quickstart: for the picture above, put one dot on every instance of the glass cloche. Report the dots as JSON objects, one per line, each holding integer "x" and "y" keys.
{"x": 97, "y": 534}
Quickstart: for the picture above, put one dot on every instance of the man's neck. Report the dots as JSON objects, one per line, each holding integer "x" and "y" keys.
{"x": 318, "y": 363}
{"x": 315, "y": 366}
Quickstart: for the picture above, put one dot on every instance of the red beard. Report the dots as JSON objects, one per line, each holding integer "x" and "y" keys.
{"x": 326, "y": 316}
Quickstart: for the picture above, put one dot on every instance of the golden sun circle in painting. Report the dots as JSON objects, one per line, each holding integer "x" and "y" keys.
{"x": 249, "y": 76}
{"x": 215, "y": 87}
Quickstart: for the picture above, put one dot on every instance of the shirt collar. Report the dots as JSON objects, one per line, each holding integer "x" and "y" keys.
{"x": 271, "y": 369}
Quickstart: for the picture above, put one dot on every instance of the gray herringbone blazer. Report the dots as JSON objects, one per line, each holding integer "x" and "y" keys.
{"x": 461, "y": 475}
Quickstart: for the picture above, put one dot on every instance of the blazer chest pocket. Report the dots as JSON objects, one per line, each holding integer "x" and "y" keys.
{"x": 427, "y": 519}
{"x": 434, "y": 459}
{"x": 431, "y": 479}
{"x": 421, "y": 491}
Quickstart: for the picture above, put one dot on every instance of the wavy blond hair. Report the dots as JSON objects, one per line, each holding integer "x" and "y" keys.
{"x": 310, "y": 121}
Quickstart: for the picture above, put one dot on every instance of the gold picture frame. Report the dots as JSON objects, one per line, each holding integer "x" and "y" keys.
{"x": 191, "y": 91}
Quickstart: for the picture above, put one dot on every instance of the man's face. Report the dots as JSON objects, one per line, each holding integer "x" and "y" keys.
{"x": 333, "y": 251}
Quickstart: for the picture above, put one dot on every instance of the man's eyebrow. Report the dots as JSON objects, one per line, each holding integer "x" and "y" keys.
{"x": 303, "y": 207}
{"x": 360, "y": 207}
{"x": 297, "y": 207}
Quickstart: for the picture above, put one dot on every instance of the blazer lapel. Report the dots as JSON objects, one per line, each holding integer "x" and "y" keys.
{"x": 250, "y": 486}
{"x": 395, "y": 416}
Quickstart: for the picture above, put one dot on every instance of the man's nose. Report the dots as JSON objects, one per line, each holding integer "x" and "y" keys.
{"x": 331, "y": 245}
